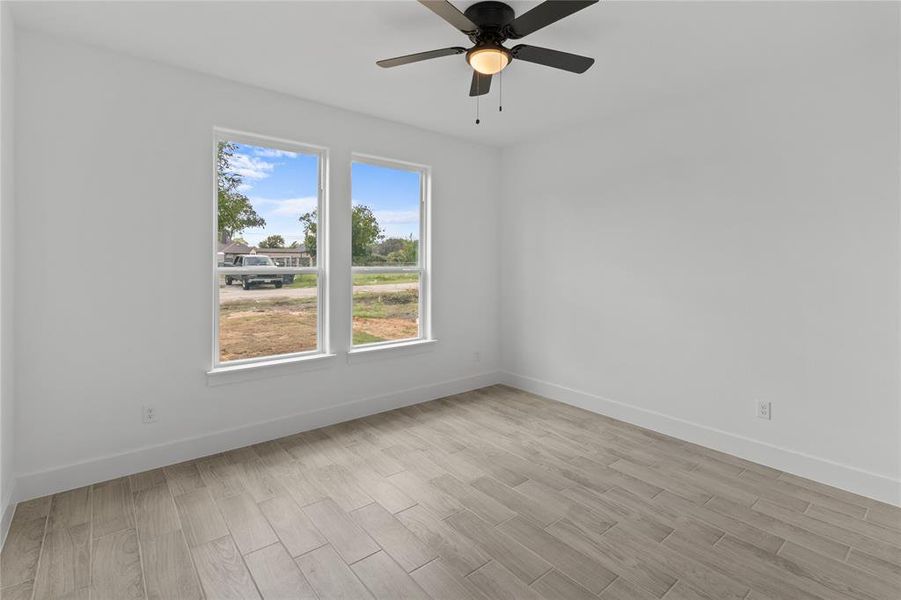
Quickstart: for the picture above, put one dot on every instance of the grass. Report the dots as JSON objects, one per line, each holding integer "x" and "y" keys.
{"x": 267, "y": 305}
{"x": 361, "y": 337}
{"x": 384, "y": 278}
{"x": 309, "y": 281}
{"x": 303, "y": 281}
{"x": 381, "y": 316}
{"x": 403, "y": 304}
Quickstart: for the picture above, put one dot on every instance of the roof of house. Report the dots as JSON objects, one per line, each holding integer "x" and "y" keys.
{"x": 298, "y": 250}
{"x": 234, "y": 248}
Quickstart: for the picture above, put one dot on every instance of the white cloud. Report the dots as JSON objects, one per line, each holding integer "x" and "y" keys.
{"x": 285, "y": 207}
{"x": 250, "y": 167}
{"x": 397, "y": 217}
{"x": 274, "y": 153}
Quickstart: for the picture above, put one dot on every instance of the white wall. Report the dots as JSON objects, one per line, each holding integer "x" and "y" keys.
{"x": 7, "y": 216}
{"x": 671, "y": 266}
{"x": 113, "y": 274}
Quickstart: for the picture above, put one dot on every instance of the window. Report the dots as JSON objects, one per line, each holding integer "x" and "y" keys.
{"x": 389, "y": 251}
{"x": 269, "y": 263}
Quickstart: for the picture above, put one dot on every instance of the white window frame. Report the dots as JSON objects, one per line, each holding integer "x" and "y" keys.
{"x": 320, "y": 270}
{"x": 424, "y": 268}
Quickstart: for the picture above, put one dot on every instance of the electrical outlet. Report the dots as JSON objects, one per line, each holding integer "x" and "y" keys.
{"x": 476, "y": 357}
{"x": 148, "y": 415}
{"x": 764, "y": 410}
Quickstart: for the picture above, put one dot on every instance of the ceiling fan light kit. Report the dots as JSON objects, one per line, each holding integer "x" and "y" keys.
{"x": 488, "y": 25}
{"x": 488, "y": 59}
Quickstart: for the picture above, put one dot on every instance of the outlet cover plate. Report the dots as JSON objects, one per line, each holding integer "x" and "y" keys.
{"x": 148, "y": 414}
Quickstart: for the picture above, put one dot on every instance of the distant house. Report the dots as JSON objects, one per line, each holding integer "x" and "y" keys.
{"x": 228, "y": 252}
{"x": 283, "y": 257}
{"x": 287, "y": 257}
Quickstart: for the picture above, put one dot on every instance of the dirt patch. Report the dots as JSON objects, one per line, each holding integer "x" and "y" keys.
{"x": 387, "y": 329}
{"x": 252, "y": 330}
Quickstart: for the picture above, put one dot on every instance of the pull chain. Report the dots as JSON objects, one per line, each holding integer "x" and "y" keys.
{"x": 478, "y": 95}
{"x": 500, "y": 102}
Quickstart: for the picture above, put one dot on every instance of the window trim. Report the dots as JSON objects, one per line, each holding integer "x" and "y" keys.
{"x": 321, "y": 270}
{"x": 424, "y": 255}
{"x": 268, "y": 368}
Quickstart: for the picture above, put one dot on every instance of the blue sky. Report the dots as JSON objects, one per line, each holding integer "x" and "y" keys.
{"x": 393, "y": 194}
{"x": 282, "y": 186}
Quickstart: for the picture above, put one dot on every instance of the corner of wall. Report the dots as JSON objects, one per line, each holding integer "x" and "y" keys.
{"x": 7, "y": 511}
{"x": 502, "y": 243}
{"x": 7, "y": 247}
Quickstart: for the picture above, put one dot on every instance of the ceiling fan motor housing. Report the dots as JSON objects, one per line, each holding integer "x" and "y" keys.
{"x": 492, "y": 19}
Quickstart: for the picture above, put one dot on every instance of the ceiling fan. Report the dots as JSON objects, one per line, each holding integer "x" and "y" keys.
{"x": 488, "y": 25}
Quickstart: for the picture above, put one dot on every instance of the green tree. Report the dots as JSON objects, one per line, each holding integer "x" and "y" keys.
{"x": 389, "y": 245}
{"x": 273, "y": 241}
{"x": 406, "y": 254}
{"x": 365, "y": 232}
{"x": 309, "y": 221}
{"x": 235, "y": 210}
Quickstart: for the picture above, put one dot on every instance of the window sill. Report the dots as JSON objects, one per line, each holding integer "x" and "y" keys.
{"x": 267, "y": 368}
{"x": 387, "y": 351}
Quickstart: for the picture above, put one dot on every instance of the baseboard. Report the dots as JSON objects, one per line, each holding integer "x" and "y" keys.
{"x": 32, "y": 485}
{"x": 852, "y": 479}
{"x": 6, "y": 518}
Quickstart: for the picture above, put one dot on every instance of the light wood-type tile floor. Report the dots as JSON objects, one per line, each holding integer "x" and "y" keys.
{"x": 491, "y": 494}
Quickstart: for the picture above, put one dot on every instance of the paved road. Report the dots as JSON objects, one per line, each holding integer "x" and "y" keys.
{"x": 234, "y": 292}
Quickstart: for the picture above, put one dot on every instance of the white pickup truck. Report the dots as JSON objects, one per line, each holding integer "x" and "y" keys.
{"x": 250, "y": 280}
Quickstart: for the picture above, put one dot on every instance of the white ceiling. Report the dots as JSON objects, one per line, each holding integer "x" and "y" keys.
{"x": 647, "y": 53}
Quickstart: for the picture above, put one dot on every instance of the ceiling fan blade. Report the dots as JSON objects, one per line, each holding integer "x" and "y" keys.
{"x": 449, "y": 13}
{"x": 480, "y": 84}
{"x": 412, "y": 58}
{"x": 573, "y": 63}
{"x": 544, "y": 14}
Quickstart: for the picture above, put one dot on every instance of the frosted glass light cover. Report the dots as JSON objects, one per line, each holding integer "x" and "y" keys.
{"x": 489, "y": 61}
